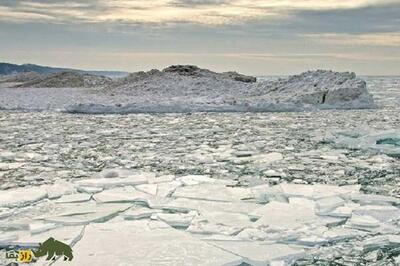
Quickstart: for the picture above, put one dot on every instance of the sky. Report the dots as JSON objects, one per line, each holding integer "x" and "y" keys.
{"x": 258, "y": 37}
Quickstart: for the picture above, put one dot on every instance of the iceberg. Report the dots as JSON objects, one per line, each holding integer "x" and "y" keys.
{"x": 183, "y": 88}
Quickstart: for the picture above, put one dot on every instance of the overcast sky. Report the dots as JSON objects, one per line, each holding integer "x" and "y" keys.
{"x": 260, "y": 37}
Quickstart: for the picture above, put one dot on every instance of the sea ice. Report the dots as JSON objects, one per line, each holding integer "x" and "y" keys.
{"x": 120, "y": 195}
{"x": 68, "y": 235}
{"x": 73, "y": 198}
{"x": 145, "y": 246}
{"x": 363, "y": 222}
{"x": 297, "y": 190}
{"x": 213, "y": 192}
{"x": 148, "y": 188}
{"x": 5, "y": 212}
{"x": 284, "y": 216}
{"x": 124, "y": 173}
{"x": 83, "y": 219}
{"x": 381, "y": 241}
{"x": 369, "y": 199}
{"x": 340, "y": 212}
{"x": 73, "y": 209}
{"x": 201, "y": 226}
{"x": 252, "y": 234}
{"x": 112, "y": 182}
{"x": 203, "y": 206}
{"x": 59, "y": 188}
{"x": 167, "y": 188}
{"x": 89, "y": 190}
{"x": 140, "y": 213}
{"x": 379, "y": 212}
{"x": 268, "y": 158}
{"x": 237, "y": 220}
{"x": 21, "y": 196}
{"x": 40, "y": 227}
{"x": 7, "y": 238}
{"x": 190, "y": 180}
{"x": 325, "y": 205}
{"x": 176, "y": 219}
{"x": 258, "y": 254}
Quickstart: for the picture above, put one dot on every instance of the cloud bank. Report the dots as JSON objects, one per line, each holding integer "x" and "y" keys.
{"x": 208, "y": 12}
{"x": 253, "y": 36}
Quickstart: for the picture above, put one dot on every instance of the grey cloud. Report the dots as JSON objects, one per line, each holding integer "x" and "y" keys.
{"x": 383, "y": 18}
{"x": 192, "y": 3}
{"x": 280, "y": 35}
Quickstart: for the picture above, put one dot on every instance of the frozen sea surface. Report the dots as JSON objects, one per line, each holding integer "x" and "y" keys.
{"x": 185, "y": 168}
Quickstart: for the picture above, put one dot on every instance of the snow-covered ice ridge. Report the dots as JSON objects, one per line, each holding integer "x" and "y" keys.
{"x": 128, "y": 217}
{"x": 180, "y": 89}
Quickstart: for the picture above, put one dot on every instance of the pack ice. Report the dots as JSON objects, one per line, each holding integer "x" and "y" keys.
{"x": 197, "y": 220}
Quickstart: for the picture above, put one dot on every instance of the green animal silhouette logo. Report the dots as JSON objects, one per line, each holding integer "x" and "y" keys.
{"x": 53, "y": 248}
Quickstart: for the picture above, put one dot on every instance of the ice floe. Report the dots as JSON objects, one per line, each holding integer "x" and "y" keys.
{"x": 21, "y": 197}
{"x": 145, "y": 246}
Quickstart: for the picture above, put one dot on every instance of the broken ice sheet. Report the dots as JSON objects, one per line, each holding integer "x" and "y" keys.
{"x": 163, "y": 246}
{"x": 40, "y": 227}
{"x": 167, "y": 188}
{"x": 191, "y": 180}
{"x": 325, "y": 205}
{"x": 7, "y": 238}
{"x": 72, "y": 198}
{"x": 382, "y": 241}
{"x": 370, "y": 199}
{"x": 68, "y": 235}
{"x": 252, "y": 234}
{"x": 267, "y": 158}
{"x": 201, "y": 226}
{"x": 21, "y": 196}
{"x": 83, "y": 219}
{"x": 89, "y": 190}
{"x": 15, "y": 224}
{"x": 112, "y": 182}
{"x": 178, "y": 220}
{"x": 59, "y": 188}
{"x": 124, "y": 173}
{"x": 318, "y": 191}
{"x": 363, "y": 222}
{"x": 138, "y": 213}
{"x": 254, "y": 253}
{"x": 284, "y": 215}
{"x": 203, "y": 206}
{"x": 84, "y": 213}
{"x": 5, "y": 212}
{"x": 148, "y": 188}
{"x": 213, "y": 192}
{"x": 383, "y": 142}
{"x": 265, "y": 193}
{"x": 340, "y": 212}
{"x": 296, "y": 190}
{"x": 237, "y": 220}
{"x": 120, "y": 195}
{"x": 379, "y": 212}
